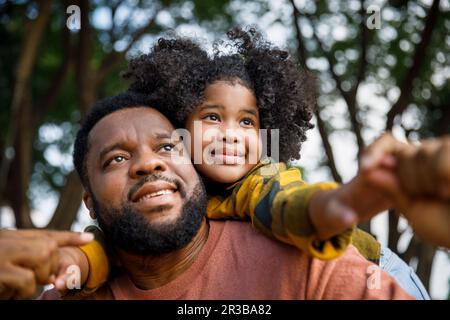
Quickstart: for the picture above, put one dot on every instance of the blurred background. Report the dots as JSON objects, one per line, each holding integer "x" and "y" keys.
{"x": 381, "y": 65}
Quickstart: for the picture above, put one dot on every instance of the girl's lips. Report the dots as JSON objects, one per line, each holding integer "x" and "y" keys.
{"x": 228, "y": 159}
{"x": 228, "y": 152}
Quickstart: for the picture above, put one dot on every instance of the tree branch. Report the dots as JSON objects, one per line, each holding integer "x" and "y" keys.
{"x": 47, "y": 100}
{"x": 110, "y": 61}
{"x": 70, "y": 200}
{"x": 418, "y": 58}
{"x": 302, "y": 56}
{"x": 443, "y": 125}
{"x": 298, "y": 35}
{"x": 351, "y": 102}
{"x": 327, "y": 146}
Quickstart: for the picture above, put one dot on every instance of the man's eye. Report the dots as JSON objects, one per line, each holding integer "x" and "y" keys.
{"x": 212, "y": 117}
{"x": 167, "y": 147}
{"x": 116, "y": 159}
{"x": 247, "y": 122}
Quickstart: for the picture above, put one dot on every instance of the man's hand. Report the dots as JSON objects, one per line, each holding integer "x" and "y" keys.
{"x": 420, "y": 188}
{"x": 415, "y": 180}
{"x": 334, "y": 211}
{"x": 31, "y": 257}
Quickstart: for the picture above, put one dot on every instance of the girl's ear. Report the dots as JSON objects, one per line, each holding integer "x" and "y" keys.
{"x": 89, "y": 203}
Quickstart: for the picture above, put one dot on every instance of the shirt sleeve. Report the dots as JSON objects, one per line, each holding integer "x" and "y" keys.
{"x": 276, "y": 200}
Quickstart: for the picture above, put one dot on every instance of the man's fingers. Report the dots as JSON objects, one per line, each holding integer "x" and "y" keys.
{"x": 374, "y": 153}
{"x": 68, "y": 238}
{"x": 388, "y": 161}
{"x": 46, "y": 270}
{"x": 384, "y": 180}
{"x": 38, "y": 255}
{"x": 19, "y": 282}
{"x": 407, "y": 170}
{"x": 62, "y": 238}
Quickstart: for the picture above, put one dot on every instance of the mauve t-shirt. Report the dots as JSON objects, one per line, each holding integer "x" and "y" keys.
{"x": 238, "y": 262}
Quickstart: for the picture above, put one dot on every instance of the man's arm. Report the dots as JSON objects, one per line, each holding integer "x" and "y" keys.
{"x": 31, "y": 257}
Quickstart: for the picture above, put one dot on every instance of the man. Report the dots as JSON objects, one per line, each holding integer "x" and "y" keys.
{"x": 151, "y": 209}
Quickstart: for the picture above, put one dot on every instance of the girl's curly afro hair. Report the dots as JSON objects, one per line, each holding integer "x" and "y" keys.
{"x": 179, "y": 71}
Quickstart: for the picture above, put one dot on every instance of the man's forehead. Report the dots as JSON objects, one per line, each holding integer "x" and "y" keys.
{"x": 140, "y": 120}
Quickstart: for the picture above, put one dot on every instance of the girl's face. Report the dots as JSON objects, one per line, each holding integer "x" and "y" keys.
{"x": 225, "y": 130}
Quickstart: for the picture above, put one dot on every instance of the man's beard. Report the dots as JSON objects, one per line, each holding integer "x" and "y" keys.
{"x": 130, "y": 231}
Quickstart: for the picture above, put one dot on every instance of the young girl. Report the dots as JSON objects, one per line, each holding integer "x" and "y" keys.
{"x": 223, "y": 101}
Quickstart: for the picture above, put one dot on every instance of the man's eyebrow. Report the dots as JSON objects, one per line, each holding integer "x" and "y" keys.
{"x": 107, "y": 149}
{"x": 163, "y": 135}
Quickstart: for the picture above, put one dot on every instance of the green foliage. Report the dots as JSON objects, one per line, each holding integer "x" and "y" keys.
{"x": 52, "y": 157}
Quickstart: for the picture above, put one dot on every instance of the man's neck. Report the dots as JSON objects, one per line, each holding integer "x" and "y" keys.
{"x": 153, "y": 272}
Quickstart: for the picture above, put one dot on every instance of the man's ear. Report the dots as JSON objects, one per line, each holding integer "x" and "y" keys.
{"x": 89, "y": 203}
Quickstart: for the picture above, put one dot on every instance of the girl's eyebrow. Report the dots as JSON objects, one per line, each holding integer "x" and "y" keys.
{"x": 251, "y": 111}
{"x": 219, "y": 106}
{"x": 211, "y": 106}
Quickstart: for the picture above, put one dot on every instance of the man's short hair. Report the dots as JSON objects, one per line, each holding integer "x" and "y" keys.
{"x": 101, "y": 109}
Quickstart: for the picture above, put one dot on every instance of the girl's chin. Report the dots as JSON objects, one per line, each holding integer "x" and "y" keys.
{"x": 224, "y": 173}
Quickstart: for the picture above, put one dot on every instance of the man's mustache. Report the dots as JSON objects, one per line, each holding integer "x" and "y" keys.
{"x": 156, "y": 177}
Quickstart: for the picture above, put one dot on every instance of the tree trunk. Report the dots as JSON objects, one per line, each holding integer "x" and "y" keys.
{"x": 68, "y": 205}
{"x": 24, "y": 68}
{"x": 425, "y": 258}
{"x": 20, "y": 169}
{"x": 394, "y": 234}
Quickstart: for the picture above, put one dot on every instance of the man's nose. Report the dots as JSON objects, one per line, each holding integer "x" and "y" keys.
{"x": 147, "y": 163}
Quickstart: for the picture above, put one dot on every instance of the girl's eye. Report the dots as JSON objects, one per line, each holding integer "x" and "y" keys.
{"x": 247, "y": 122}
{"x": 212, "y": 117}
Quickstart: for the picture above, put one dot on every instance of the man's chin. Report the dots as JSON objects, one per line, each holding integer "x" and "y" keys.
{"x": 159, "y": 215}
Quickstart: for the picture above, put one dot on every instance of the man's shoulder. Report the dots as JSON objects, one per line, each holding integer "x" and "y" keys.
{"x": 242, "y": 236}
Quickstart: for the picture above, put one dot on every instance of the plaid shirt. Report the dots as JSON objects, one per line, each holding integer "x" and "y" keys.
{"x": 275, "y": 199}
